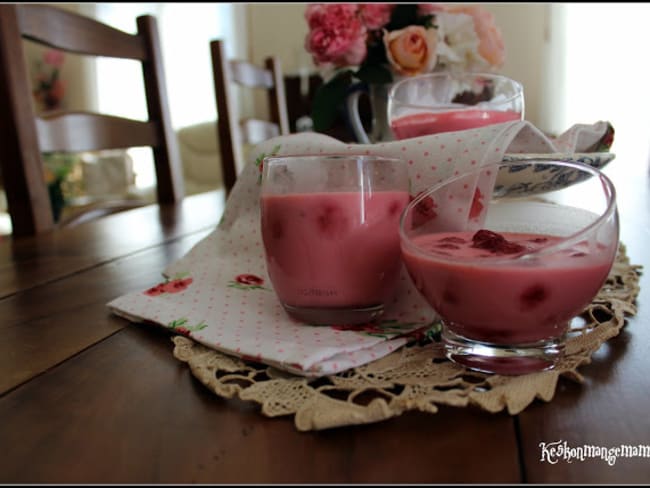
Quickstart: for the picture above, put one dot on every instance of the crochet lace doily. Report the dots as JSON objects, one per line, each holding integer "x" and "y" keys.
{"x": 417, "y": 376}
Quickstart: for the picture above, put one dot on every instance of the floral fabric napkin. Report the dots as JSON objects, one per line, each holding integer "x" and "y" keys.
{"x": 219, "y": 293}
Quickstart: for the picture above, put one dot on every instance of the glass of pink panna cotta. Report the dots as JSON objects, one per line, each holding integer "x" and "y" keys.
{"x": 447, "y": 102}
{"x": 509, "y": 256}
{"x": 330, "y": 228}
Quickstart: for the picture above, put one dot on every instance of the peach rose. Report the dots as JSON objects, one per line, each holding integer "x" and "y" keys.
{"x": 412, "y": 50}
{"x": 491, "y": 46}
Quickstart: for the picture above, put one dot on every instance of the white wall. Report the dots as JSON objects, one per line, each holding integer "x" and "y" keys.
{"x": 526, "y": 38}
{"x": 608, "y": 77}
{"x": 278, "y": 29}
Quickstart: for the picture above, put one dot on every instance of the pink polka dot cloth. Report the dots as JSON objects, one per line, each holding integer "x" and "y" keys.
{"x": 219, "y": 294}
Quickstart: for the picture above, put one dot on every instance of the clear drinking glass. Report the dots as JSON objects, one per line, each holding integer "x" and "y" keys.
{"x": 445, "y": 102}
{"x": 508, "y": 255}
{"x": 330, "y": 232}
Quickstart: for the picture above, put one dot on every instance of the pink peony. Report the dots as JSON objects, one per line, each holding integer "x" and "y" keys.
{"x": 317, "y": 14}
{"x": 375, "y": 15}
{"x": 491, "y": 46}
{"x": 336, "y": 35}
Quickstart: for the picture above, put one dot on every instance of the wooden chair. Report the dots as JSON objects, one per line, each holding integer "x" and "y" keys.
{"x": 232, "y": 131}
{"x": 24, "y": 135}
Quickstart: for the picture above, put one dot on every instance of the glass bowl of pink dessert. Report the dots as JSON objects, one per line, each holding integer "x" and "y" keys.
{"x": 508, "y": 274}
{"x": 446, "y": 102}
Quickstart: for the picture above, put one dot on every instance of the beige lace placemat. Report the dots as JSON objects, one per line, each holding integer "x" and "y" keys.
{"x": 416, "y": 377}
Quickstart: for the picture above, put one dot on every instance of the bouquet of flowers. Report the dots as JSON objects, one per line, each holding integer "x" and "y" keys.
{"x": 49, "y": 87}
{"x": 378, "y": 42}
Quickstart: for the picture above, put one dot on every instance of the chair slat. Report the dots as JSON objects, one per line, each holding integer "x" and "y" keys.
{"x": 231, "y": 131}
{"x": 82, "y": 35}
{"x": 169, "y": 174}
{"x": 79, "y": 131}
{"x": 249, "y": 75}
{"x": 255, "y": 131}
{"x": 21, "y": 165}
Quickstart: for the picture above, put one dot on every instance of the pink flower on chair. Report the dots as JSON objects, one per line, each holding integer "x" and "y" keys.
{"x": 54, "y": 58}
{"x": 49, "y": 87}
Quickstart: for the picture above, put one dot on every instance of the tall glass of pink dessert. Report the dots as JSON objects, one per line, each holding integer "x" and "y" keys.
{"x": 447, "y": 102}
{"x": 508, "y": 255}
{"x": 330, "y": 227}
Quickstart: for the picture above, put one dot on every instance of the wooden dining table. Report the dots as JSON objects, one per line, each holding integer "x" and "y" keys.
{"x": 88, "y": 397}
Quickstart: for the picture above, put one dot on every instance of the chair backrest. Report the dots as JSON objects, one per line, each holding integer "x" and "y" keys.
{"x": 232, "y": 131}
{"x": 25, "y": 135}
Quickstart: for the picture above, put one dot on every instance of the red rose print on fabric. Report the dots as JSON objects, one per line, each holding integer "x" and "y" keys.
{"x": 259, "y": 161}
{"x": 605, "y": 142}
{"x": 427, "y": 334}
{"x": 155, "y": 290}
{"x": 247, "y": 281}
{"x": 176, "y": 284}
{"x": 180, "y": 326}
{"x": 369, "y": 328}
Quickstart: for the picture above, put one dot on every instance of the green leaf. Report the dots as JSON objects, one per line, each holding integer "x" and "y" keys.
{"x": 177, "y": 323}
{"x": 374, "y": 74}
{"x": 327, "y": 100}
{"x": 376, "y": 50}
{"x": 429, "y": 22}
{"x": 200, "y": 326}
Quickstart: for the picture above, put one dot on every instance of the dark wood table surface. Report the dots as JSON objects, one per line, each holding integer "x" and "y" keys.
{"x": 87, "y": 397}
